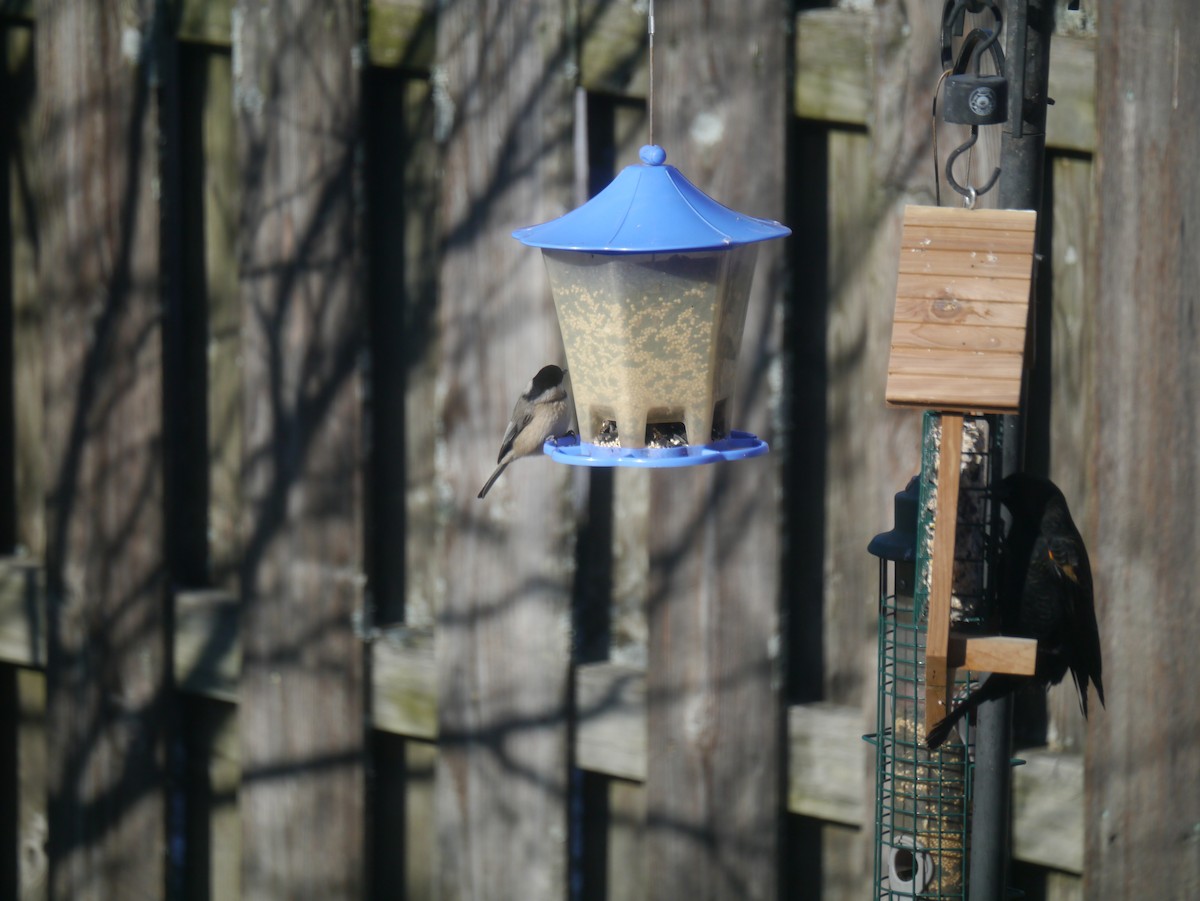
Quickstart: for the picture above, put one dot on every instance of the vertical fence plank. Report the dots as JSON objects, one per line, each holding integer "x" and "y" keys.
{"x": 420, "y": 185}
{"x": 402, "y": 274}
{"x": 502, "y": 84}
{"x": 866, "y": 448}
{"x": 23, "y": 510}
{"x": 212, "y": 866}
{"x": 301, "y": 714}
{"x": 10, "y": 790}
{"x": 627, "y": 862}
{"x": 713, "y": 817}
{"x": 99, "y": 283}
{"x": 32, "y": 865}
{"x": 898, "y": 169}
{"x": 24, "y": 868}
{"x": 420, "y": 852}
{"x": 8, "y": 438}
{"x": 1072, "y": 417}
{"x": 905, "y": 47}
{"x": 870, "y": 452}
{"x": 1142, "y": 780}
{"x": 211, "y": 74}
{"x": 23, "y": 757}
{"x": 23, "y": 799}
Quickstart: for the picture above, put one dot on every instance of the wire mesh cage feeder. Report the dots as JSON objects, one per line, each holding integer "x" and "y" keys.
{"x": 651, "y": 280}
{"x": 958, "y": 340}
{"x": 923, "y": 797}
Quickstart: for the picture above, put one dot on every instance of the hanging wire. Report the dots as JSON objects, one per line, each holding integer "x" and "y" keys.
{"x": 650, "y": 91}
{"x": 972, "y": 192}
{"x": 933, "y": 123}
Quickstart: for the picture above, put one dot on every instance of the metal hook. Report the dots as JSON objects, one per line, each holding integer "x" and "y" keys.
{"x": 953, "y": 19}
{"x": 968, "y": 191}
{"x": 977, "y": 42}
{"x": 973, "y": 46}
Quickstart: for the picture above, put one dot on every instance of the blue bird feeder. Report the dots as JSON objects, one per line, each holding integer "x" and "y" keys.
{"x": 651, "y": 279}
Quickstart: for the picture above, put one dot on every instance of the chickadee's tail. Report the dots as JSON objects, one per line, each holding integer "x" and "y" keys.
{"x": 487, "y": 486}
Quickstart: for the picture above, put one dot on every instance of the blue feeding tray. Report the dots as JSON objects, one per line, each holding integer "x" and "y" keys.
{"x": 738, "y": 446}
{"x": 651, "y": 279}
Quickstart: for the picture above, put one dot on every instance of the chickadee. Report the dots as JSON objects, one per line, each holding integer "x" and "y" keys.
{"x": 540, "y": 413}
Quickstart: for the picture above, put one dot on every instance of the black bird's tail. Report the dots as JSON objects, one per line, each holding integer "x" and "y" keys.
{"x": 995, "y": 686}
{"x": 1081, "y": 677}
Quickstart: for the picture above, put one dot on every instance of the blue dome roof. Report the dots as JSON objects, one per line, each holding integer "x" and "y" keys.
{"x": 650, "y": 208}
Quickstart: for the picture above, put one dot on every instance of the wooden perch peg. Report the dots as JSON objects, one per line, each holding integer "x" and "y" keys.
{"x": 992, "y": 654}
{"x": 938, "y": 674}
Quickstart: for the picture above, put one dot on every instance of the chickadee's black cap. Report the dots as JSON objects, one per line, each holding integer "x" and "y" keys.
{"x": 547, "y": 377}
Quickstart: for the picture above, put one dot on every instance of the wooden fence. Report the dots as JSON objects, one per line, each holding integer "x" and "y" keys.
{"x": 267, "y": 320}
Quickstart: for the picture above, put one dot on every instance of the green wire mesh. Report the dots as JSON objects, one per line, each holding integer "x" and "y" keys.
{"x": 923, "y": 798}
{"x": 970, "y": 600}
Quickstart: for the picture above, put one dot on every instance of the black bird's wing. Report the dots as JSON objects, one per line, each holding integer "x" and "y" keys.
{"x": 1074, "y": 572}
{"x": 1045, "y": 593}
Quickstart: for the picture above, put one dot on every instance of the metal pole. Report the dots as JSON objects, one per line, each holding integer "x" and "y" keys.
{"x": 1022, "y": 151}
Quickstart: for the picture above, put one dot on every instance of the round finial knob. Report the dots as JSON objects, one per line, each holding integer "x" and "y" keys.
{"x": 652, "y": 155}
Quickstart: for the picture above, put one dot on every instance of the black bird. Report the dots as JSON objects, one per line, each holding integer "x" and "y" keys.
{"x": 1045, "y": 593}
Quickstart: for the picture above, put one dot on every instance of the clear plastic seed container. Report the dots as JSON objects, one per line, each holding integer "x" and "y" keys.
{"x": 652, "y": 339}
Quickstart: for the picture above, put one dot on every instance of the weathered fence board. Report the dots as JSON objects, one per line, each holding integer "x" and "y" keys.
{"x": 24, "y": 868}
{"x": 212, "y": 866}
{"x": 610, "y": 703}
{"x": 105, "y": 578}
{"x": 862, "y": 435}
{"x": 834, "y": 71}
{"x": 865, "y": 444}
{"x": 1071, "y": 337}
{"x": 612, "y": 54}
{"x": 22, "y": 612}
{"x": 857, "y": 68}
{"x": 627, "y": 861}
{"x": 833, "y": 66}
{"x": 212, "y": 195}
{"x": 504, "y": 83}
{"x": 23, "y": 486}
{"x": 402, "y": 240}
{"x": 1143, "y": 776}
{"x": 402, "y": 34}
{"x": 713, "y": 821}
{"x": 826, "y": 753}
{"x": 297, "y": 101}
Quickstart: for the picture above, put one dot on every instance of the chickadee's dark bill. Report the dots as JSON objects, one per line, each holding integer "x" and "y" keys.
{"x": 542, "y": 412}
